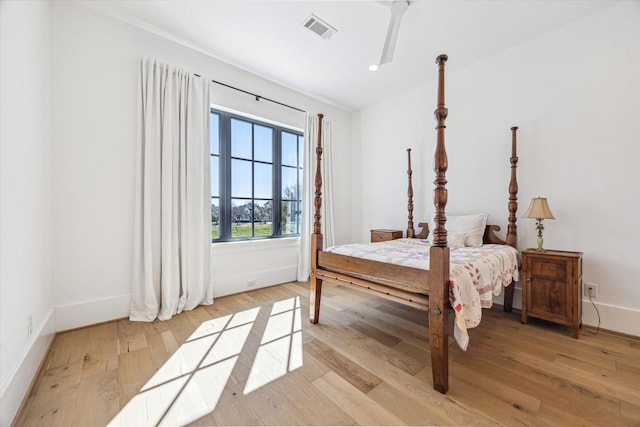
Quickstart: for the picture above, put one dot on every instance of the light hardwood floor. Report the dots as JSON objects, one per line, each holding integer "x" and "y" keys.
{"x": 254, "y": 359}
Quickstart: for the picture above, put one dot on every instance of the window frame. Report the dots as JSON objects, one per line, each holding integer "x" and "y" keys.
{"x": 225, "y": 159}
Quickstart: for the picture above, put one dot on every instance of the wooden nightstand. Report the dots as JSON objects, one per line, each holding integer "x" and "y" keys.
{"x": 381, "y": 235}
{"x": 552, "y": 287}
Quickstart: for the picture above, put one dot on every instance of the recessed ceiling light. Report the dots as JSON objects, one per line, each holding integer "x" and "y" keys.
{"x": 373, "y": 67}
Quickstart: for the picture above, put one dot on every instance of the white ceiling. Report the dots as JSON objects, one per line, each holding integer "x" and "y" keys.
{"x": 267, "y": 38}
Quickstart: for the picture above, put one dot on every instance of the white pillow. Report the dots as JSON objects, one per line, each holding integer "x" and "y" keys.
{"x": 456, "y": 239}
{"x": 471, "y": 225}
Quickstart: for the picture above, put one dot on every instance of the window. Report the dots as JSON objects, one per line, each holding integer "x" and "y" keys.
{"x": 256, "y": 178}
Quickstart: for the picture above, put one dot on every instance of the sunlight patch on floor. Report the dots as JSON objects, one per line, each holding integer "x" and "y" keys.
{"x": 189, "y": 385}
{"x": 281, "y": 346}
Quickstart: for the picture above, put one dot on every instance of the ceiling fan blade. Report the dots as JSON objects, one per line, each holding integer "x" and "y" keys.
{"x": 397, "y": 10}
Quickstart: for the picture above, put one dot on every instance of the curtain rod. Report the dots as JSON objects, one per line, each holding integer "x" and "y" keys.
{"x": 258, "y": 97}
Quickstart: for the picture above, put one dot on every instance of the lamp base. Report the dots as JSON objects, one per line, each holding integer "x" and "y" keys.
{"x": 540, "y": 227}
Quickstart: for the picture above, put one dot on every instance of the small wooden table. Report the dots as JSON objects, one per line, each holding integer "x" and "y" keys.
{"x": 552, "y": 287}
{"x": 382, "y": 235}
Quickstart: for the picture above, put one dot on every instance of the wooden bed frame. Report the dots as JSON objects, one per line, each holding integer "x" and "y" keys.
{"x": 426, "y": 290}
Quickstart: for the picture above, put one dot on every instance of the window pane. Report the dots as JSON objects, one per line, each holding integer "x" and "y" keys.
{"x": 289, "y": 183}
{"x": 290, "y": 218}
{"x": 300, "y": 150}
{"x": 214, "y": 134}
{"x": 263, "y": 217}
{"x": 263, "y": 143}
{"x": 240, "y": 178}
{"x": 240, "y": 139}
{"x": 215, "y": 218}
{"x": 241, "y": 218}
{"x": 289, "y": 149}
{"x": 262, "y": 181}
{"x": 215, "y": 175}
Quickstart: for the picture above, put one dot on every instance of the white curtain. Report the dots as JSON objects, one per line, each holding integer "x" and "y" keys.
{"x": 172, "y": 228}
{"x": 308, "y": 192}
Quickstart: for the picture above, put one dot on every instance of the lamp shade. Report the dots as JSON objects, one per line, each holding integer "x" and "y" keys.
{"x": 539, "y": 208}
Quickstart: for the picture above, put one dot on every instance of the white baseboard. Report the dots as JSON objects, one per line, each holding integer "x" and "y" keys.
{"x": 233, "y": 284}
{"x": 86, "y": 313}
{"x": 22, "y": 375}
{"x": 613, "y": 318}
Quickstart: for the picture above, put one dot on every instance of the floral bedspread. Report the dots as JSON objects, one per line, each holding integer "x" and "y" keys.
{"x": 476, "y": 274}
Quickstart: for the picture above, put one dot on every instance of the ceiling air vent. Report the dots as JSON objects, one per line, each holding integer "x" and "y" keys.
{"x": 319, "y": 27}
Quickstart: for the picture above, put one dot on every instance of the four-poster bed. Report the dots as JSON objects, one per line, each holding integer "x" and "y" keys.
{"x": 409, "y": 281}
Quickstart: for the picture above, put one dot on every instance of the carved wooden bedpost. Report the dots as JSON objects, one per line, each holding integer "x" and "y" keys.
{"x": 411, "y": 233}
{"x": 512, "y": 228}
{"x": 315, "y": 284}
{"x": 439, "y": 253}
{"x": 440, "y": 162}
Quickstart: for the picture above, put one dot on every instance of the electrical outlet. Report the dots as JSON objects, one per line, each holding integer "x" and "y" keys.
{"x": 591, "y": 290}
{"x": 29, "y": 325}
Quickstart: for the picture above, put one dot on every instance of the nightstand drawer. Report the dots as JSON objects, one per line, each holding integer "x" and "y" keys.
{"x": 549, "y": 269}
{"x": 382, "y": 235}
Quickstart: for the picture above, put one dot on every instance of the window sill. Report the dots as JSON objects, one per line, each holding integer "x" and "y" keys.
{"x": 261, "y": 245}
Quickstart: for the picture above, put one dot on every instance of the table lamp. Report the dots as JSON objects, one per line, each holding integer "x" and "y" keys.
{"x": 539, "y": 209}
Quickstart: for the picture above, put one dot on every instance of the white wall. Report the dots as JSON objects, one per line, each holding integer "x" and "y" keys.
{"x": 575, "y": 94}
{"x": 94, "y": 70}
{"x": 25, "y": 199}
{"x": 67, "y": 134}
